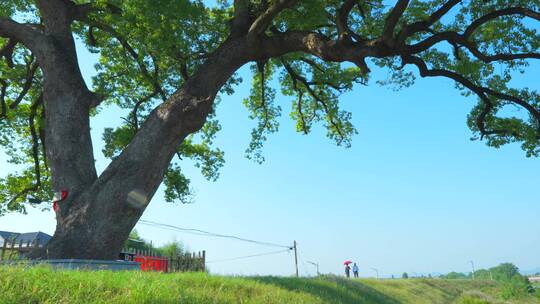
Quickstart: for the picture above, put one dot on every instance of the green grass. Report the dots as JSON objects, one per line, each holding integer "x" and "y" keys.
{"x": 43, "y": 285}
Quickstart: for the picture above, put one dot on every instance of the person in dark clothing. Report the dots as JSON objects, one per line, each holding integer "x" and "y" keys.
{"x": 347, "y": 271}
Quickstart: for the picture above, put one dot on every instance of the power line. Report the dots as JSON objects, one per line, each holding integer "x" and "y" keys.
{"x": 249, "y": 256}
{"x": 304, "y": 265}
{"x": 206, "y": 233}
{"x": 211, "y": 234}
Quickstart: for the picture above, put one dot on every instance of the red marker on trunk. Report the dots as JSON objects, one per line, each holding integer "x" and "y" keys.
{"x": 58, "y": 197}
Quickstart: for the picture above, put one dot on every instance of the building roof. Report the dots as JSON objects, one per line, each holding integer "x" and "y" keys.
{"x": 8, "y": 235}
{"x": 28, "y": 237}
{"x": 32, "y": 236}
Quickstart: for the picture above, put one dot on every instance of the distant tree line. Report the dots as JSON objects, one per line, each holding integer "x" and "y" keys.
{"x": 515, "y": 284}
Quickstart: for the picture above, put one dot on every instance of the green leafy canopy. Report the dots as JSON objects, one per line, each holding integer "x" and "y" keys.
{"x": 148, "y": 49}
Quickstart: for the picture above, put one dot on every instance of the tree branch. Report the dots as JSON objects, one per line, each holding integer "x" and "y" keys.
{"x": 300, "y": 95}
{"x": 344, "y": 32}
{"x": 457, "y": 40}
{"x": 299, "y": 105}
{"x": 35, "y": 152}
{"x": 312, "y": 64}
{"x": 143, "y": 163}
{"x": 131, "y": 51}
{"x": 135, "y": 110}
{"x": 315, "y": 96}
{"x": 482, "y": 92}
{"x": 242, "y": 19}
{"x": 420, "y": 26}
{"x": 25, "y": 33}
{"x": 7, "y": 51}
{"x": 392, "y": 20}
{"x": 261, "y": 68}
{"x": 318, "y": 45}
{"x": 3, "y": 90}
{"x": 81, "y": 12}
{"x": 35, "y": 139}
{"x": 42, "y": 139}
{"x": 260, "y": 24}
{"x": 499, "y": 13}
{"x": 30, "y": 74}
{"x": 463, "y": 39}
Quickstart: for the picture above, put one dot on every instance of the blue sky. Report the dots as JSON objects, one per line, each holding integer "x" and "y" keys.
{"x": 413, "y": 194}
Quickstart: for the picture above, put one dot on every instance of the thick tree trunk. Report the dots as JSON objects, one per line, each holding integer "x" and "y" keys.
{"x": 95, "y": 221}
{"x": 99, "y": 212}
{"x": 87, "y": 233}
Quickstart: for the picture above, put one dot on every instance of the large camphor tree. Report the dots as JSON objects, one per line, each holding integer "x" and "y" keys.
{"x": 166, "y": 62}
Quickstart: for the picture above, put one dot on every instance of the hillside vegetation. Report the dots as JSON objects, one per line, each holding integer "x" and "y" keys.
{"x": 43, "y": 285}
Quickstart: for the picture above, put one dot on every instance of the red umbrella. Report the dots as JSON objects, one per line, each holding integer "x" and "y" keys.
{"x": 347, "y": 262}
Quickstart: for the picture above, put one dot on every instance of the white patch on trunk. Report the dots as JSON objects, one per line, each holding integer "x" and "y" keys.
{"x": 137, "y": 199}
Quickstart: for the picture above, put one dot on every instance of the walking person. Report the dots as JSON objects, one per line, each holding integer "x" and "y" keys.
{"x": 355, "y": 270}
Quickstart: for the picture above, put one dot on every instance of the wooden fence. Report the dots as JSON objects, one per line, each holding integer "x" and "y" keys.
{"x": 188, "y": 262}
{"x": 150, "y": 260}
{"x": 13, "y": 249}
{"x": 154, "y": 261}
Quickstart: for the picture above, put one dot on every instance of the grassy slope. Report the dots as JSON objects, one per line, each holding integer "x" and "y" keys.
{"x": 41, "y": 285}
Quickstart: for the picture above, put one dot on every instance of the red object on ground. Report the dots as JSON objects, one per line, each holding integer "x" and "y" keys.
{"x": 153, "y": 263}
{"x": 347, "y": 262}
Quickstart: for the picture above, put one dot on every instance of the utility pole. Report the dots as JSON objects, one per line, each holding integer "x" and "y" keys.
{"x": 295, "y": 258}
{"x": 376, "y": 271}
{"x": 472, "y": 264}
{"x": 316, "y": 265}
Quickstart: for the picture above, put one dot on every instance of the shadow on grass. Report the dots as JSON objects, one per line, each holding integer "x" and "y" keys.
{"x": 331, "y": 289}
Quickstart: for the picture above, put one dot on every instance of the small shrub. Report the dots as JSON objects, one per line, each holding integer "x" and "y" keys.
{"x": 517, "y": 287}
{"x": 474, "y": 297}
{"x": 473, "y": 300}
